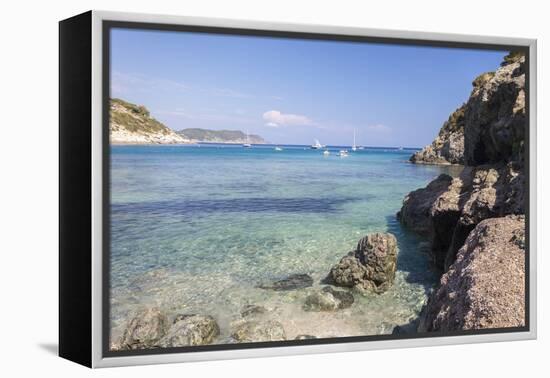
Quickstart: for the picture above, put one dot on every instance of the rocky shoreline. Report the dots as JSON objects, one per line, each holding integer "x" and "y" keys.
{"x": 370, "y": 268}
{"x": 475, "y": 222}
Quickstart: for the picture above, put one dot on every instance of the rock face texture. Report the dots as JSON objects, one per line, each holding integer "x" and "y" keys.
{"x": 490, "y": 126}
{"x": 250, "y": 331}
{"x": 190, "y": 330}
{"x": 470, "y": 219}
{"x": 415, "y": 212}
{"x": 449, "y": 208}
{"x": 485, "y": 286}
{"x": 150, "y": 328}
{"x": 133, "y": 124}
{"x": 371, "y": 267}
{"x": 144, "y": 330}
{"x": 495, "y": 115}
{"x": 448, "y": 146}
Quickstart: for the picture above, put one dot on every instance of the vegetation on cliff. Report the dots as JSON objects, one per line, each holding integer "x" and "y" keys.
{"x": 131, "y": 123}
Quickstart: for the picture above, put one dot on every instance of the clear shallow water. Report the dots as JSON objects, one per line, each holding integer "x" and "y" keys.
{"x": 196, "y": 229}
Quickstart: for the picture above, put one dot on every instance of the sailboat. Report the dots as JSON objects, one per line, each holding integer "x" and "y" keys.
{"x": 316, "y": 145}
{"x": 247, "y": 144}
{"x": 354, "y": 147}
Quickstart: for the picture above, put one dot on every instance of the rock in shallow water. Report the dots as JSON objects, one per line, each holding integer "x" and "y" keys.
{"x": 256, "y": 331}
{"x": 250, "y": 310}
{"x": 328, "y": 299}
{"x": 144, "y": 330}
{"x": 150, "y": 328}
{"x": 371, "y": 267}
{"x": 190, "y": 330}
{"x": 292, "y": 282}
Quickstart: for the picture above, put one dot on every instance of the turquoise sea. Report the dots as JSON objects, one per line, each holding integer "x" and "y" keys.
{"x": 195, "y": 229}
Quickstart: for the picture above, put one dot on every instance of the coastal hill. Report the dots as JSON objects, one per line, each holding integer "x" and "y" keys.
{"x": 133, "y": 124}
{"x": 220, "y": 136}
{"x": 476, "y": 221}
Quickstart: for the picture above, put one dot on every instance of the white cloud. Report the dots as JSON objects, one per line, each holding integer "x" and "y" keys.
{"x": 275, "y": 118}
{"x": 379, "y": 128}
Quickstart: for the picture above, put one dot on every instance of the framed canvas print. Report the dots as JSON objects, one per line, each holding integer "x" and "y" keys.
{"x": 234, "y": 189}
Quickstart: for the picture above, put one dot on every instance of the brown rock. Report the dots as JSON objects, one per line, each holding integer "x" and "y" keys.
{"x": 448, "y": 209}
{"x": 190, "y": 330}
{"x": 371, "y": 267}
{"x": 448, "y": 146}
{"x": 144, "y": 330}
{"x": 415, "y": 212}
{"x": 494, "y": 115}
{"x": 485, "y": 286}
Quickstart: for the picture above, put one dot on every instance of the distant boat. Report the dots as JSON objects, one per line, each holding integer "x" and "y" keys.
{"x": 247, "y": 144}
{"x": 316, "y": 145}
{"x": 278, "y": 148}
{"x": 326, "y": 152}
{"x": 343, "y": 153}
{"x": 354, "y": 147}
{"x": 400, "y": 148}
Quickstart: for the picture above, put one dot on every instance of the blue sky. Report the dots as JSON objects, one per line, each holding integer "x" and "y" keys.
{"x": 292, "y": 91}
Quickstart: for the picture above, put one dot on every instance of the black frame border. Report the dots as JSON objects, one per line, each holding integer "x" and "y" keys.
{"x": 108, "y": 25}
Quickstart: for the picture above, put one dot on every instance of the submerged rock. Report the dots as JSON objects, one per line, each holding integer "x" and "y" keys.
{"x": 371, "y": 267}
{"x": 255, "y": 331}
{"x": 250, "y": 310}
{"x": 485, "y": 286}
{"x": 144, "y": 330}
{"x": 328, "y": 299}
{"x": 190, "y": 330}
{"x": 292, "y": 282}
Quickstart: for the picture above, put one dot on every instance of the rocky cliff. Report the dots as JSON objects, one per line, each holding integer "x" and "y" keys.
{"x": 495, "y": 119}
{"x": 485, "y": 285}
{"x": 448, "y": 146}
{"x": 460, "y": 214}
{"x": 133, "y": 124}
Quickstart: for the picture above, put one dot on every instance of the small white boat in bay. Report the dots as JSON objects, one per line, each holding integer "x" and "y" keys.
{"x": 278, "y": 148}
{"x": 326, "y": 152}
{"x": 343, "y": 153}
{"x": 354, "y": 147}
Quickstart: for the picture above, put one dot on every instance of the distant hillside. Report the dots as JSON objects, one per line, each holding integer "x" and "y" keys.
{"x": 132, "y": 124}
{"x": 220, "y": 136}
